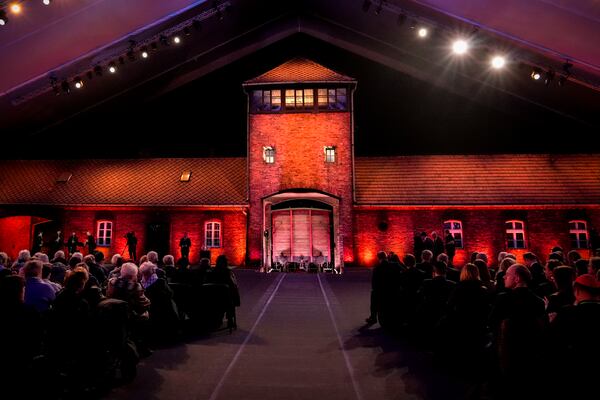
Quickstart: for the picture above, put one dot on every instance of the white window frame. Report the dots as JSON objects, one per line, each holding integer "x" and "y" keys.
{"x": 577, "y": 231}
{"x": 269, "y": 158}
{"x": 211, "y": 234}
{"x": 330, "y": 155}
{"x": 454, "y": 231}
{"x": 513, "y": 231}
{"x": 101, "y": 236}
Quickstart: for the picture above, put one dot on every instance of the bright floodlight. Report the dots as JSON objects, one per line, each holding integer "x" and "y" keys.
{"x": 112, "y": 68}
{"x": 177, "y": 40}
{"x": 46, "y": 2}
{"x": 422, "y": 32}
{"x": 16, "y": 8}
{"x": 498, "y": 62}
{"x": 144, "y": 54}
{"x": 460, "y": 46}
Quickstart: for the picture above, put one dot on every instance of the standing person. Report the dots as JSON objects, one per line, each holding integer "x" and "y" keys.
{"x": 184, "y": 244}
{"x": 450, "y": 246}
{"x": 57, "y": 244}
{"x": 418, "y": 246}
{"x": 131, "y": 244}
{"x": 438, "y": 244}
{"x": 38, "y": 242}
{"x": 427, "y": 242}
{"x": 72, "y": 244}
{"x": 90, "y": 243}
{"x": 377, "y": 285}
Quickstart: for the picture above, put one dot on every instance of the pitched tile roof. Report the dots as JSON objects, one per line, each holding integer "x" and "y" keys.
{"x": 149, "y": 182}
{"x": 478, "y": 180}
{"x": 299, "y": 70}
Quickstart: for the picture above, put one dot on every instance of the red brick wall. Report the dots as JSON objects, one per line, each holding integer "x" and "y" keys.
{"x": 483, "y": 230}
{"x": 15, "y": 235}
{"x": 233, "y": 225}
{"x": 298, "y": 140}
{"x": 233, "y": 234}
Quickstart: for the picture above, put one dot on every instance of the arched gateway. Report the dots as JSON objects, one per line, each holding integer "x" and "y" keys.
{"x": 301, "y": 227}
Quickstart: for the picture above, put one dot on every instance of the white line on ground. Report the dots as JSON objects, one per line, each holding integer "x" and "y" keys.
{"x": 233, "y": 361}
{"x": 340, "y": 341}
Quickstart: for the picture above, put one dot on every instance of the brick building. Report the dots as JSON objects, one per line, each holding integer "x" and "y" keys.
{"x": 301, "y": 194}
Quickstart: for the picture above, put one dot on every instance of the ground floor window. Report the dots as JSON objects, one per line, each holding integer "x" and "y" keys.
{"x": 104, "y": 233}
{"x": 212, "y": 234}
{"x": 515, "y": 234}
{"x": 578, "y": 234}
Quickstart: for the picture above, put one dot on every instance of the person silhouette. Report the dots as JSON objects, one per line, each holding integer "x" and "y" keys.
{"x": 184, "y": 244}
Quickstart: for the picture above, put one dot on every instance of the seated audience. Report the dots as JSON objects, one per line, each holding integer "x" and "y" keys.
{"x": 38, "y": 293}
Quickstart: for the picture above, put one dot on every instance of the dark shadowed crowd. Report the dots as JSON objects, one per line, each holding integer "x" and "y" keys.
{"x": 511, "y": 329}
{"x": 80, "y": 325}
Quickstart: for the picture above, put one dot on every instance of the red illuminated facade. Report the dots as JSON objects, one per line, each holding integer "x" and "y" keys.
{"x": 301, "y": 195}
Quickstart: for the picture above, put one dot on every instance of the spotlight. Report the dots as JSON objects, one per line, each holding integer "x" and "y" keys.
{"x": 536, "y": 74}
{"x": 379, "y": 8}
{"x": 366, "y": 5}
{"x": 98, "y": 70}
{"x": 65, "y": 87}
{"x": 3, "y": 18}
{"x": 498, "y": 62}
{"x": 112, "y": 67}
{"x": 144, "y": 52}
{"x": 16, "y": 8}
{"x": 549, "y": 77}
{"x": 422, "y": 32}
{"x": 460, "y": 46}
{"x": 46, "y": 2}
{"x": 176, "y": 39}
{"x": 78, "y": 82}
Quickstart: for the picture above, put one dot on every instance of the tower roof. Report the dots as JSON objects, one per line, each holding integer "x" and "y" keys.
{"x": 299, "y": 70}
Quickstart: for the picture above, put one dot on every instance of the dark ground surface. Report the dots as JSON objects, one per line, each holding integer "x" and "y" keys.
{"x": 300, "y": 336}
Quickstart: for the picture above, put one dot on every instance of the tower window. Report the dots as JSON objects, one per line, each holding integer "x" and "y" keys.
{"x": 297, "y": 99}
{"x": 329, "y": 154}
{"x": 266, "y": 100}
{"x": 578, "y": 234}
{"x": 269, "y": 154}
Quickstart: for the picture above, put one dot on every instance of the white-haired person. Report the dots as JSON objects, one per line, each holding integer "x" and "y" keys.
{"x": 127, "y": 288}
{"x": 22, "y": 258}
{"x": 169, "y": 267}
{"x": 38, "y": 293}
{"x": 153, "y": 258}
{"x": 164, "y": 317}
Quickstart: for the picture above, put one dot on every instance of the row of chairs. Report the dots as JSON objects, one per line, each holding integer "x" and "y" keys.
{"x": 294, "y": 266}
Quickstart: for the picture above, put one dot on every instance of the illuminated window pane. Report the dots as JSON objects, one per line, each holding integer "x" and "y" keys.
{"x": 322, "y": 98}
{"x": 269, "y": 155}
{"x": 276, "y": 100}
{"x": 290, "y": 101}
{"x": 309, "y": 98}
{"x": 330, "y": 154}
{"x": 299, "y": 98}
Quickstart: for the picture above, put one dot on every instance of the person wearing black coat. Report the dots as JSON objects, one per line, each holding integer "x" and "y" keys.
{"x": 164, "y": 316}
{"x": 433, "y": 299}
{"x": 438, "y": 244}
{"x": 450, "y": 246}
